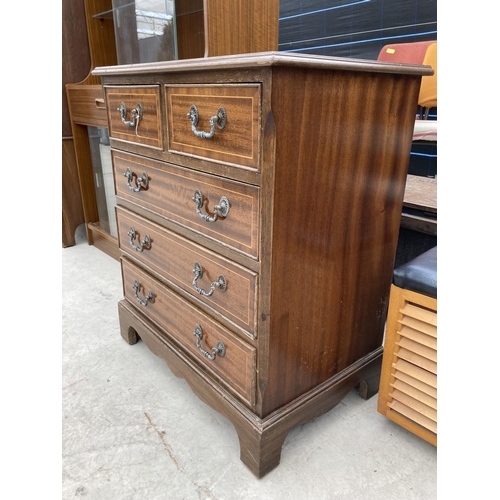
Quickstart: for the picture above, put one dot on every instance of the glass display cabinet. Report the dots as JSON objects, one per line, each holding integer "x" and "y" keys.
{"x": 119, "y": 32}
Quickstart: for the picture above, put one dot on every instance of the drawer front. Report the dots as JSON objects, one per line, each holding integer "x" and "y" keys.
{"x": 87, "y": 105}
{"x": 170, "y": 191}
{"x": 180, "y": 319}
{"x": 125, "y": 125}
{"x": 237, "y": 143}
{"x": 176, "y": 259}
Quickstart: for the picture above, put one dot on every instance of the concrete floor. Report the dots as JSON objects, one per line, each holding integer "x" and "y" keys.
{"x": 132, "y": 430}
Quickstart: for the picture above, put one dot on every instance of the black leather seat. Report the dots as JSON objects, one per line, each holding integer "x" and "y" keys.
{"x": 419, "y": 275}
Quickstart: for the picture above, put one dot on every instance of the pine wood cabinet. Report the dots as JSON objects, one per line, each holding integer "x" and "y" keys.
{"x": 259, "y": 202}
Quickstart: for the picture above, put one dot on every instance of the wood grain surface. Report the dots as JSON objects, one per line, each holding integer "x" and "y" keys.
{"x": 343, "y": 141}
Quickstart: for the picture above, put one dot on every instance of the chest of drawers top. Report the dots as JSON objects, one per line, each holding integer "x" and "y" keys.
{"x": 240, "y": 91}
{"x": 260, "y": 60}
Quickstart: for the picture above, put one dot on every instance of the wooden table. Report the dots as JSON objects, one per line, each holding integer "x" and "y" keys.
{"x": 420, "y": 204}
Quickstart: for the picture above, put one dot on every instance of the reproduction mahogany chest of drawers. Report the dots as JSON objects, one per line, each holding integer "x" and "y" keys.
{"x": 259, "y": 201}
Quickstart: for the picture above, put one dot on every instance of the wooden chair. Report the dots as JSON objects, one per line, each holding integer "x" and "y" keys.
{"x": 408, "y": 382}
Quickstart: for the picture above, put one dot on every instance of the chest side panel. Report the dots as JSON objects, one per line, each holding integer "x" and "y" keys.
{"x": 342, "y": 151}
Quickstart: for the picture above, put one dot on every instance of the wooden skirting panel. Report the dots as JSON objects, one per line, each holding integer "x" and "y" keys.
{"x": 72, "y": 208}
{"x": 408, "y": 382}
{"x": 103, "y": 241}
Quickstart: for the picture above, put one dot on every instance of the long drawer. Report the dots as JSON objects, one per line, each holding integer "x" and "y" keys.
{"x": 191, "y": 200}
{"x": 233, "y": 137}
{"x": 233, "y": 360}
{"x": 223, "y": 285}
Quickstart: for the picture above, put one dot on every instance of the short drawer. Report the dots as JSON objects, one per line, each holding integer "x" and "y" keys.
{"x": 236, "y": 367}
{"x": 238, "y": 142}
{"x": 172, "y": 191}
{"x": 87, "y": 106}
{"x": 221, "y": 284}
{"x": 134, "y": 114}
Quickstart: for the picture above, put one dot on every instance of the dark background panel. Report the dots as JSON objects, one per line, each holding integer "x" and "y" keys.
{"x": 354, "y": 28}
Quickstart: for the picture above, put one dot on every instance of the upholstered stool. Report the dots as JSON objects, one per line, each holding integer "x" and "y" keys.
{"x": 408, "y": 382}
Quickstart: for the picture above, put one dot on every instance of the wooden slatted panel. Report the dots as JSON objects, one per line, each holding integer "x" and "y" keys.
{"x": 417, "y": 360}
{"x": 415, "y": 393}
{"x": 424, "y": 381}
{"x": 420, "y": 326}
{"x": 414, "y": 404}
{"x": 417, "y": 348}
{"x": 416, "y": 372}
{"x": 408, "y": 392}
{"x": 419, "y": 313}
{"x": 419, "y": 337}
{"x": 413, "y": 415}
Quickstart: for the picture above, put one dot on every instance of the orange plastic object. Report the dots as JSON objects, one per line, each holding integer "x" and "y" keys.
{"x": 416, "y": 53}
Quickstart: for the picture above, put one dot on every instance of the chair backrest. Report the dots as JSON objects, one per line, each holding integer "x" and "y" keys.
{"x": 416, "y": 53}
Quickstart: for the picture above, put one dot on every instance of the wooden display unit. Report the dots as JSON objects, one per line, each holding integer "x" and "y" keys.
{"x": 87, "y": 109}
{"x": 258, "y": 231}
{"x": 75, "y": 67}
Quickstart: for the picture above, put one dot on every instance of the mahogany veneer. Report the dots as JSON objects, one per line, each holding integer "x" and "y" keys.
{"x": 287, "y": 314}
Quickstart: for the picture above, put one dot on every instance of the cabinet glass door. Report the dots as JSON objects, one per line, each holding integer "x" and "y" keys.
{"x": 103, "y": 179}
{"x": 144, "y": 30}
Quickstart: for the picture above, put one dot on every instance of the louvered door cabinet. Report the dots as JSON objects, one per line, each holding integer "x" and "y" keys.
{"x": 259, "y": 200}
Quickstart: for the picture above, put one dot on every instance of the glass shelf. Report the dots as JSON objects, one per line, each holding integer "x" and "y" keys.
{"x": 108, "y": 14}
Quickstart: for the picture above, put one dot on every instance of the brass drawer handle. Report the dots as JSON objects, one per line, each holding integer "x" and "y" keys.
{"x": 142, "y": 182}
{"x": 136, "y": 115}
{"x": 149, "y": 297}
{"x": 222, "y": 209}
{"x": 143, "y": 244}
{"x": 220, "y": 349}
{"x": 198, "y": 273}
{"x": 219, "y": 119}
